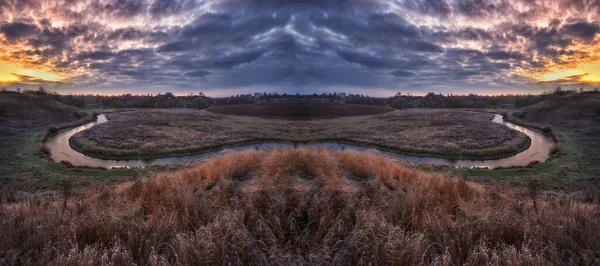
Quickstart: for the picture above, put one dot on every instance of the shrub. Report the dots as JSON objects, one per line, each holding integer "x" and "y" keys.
{"x": 532, "y": 164}
{"x": 80, "y": 115}
{"x": 67, "y": 163}
{"x": 52, "y": 129}
{"x": 451, "y": 148}
{"x": 148, "y": 148}
{"x": 44, "y": 149}
{"x": 66, "y": 188}
{"x": 556, "y": 149}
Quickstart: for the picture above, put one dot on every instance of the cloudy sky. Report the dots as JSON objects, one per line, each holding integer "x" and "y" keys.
{"x": 238, "y": 46}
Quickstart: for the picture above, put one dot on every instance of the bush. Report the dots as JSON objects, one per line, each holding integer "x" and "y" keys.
{"x": 547, "y": 130}
{"x": 52, "y": 129}
{"x": 80, "y": 115}
{"x": 67, "y": 164}
{"x": 451, "y": 148}
{"x": 148, "y": 148}
{"x": 556, "y": 149}
{"x": 44, "y": 149}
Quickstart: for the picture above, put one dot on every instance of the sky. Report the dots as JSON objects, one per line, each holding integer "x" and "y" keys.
{"x": 227, "y": 47}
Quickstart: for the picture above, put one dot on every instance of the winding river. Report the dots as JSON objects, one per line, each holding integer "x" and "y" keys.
{"x": 60, "y": 150}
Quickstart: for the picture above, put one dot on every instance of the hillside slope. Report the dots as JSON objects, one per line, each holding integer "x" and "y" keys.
{"x": 299, "y": 207}
{"x": 19, "y": 112}
{"x": 581, "y": 110}
{"x": 24, "y": 119}
{"x": 576, "y": 119}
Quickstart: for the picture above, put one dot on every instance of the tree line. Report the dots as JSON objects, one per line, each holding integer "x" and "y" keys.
{"x": 201, "y": 101}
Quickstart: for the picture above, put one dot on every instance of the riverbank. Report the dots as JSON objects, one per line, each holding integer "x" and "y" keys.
{"x": 24, "y": 167}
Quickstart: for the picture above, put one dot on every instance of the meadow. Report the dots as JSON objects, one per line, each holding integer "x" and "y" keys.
{"x": 300, "y": 206}
{"x": 444, "y": 133}
{"x": 296, "y": 109}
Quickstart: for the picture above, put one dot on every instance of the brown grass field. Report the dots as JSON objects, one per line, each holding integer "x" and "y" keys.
{"x": 300, "y": 110}
{"x": 450, "y": 133}
{"x": 299, "y": 207}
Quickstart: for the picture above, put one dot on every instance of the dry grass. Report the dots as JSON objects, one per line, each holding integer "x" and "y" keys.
{"x": 299, "y": 206}
{"x": 453, "y": 133}
{"x": 300, "y": 110}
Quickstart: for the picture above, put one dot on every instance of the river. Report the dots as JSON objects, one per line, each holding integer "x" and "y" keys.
{"x": 60, "y": 150}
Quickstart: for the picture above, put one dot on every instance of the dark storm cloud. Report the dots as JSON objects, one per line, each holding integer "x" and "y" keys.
{"x": 584, "y": 30}
{"x": 197, "y": 73}
{"x": 403, "y": 73}
{"x": 17, "y": 30}
{"x": 176, "y": 46}
{"x": 298, "y": 45}
{"x": 96, "y": 55}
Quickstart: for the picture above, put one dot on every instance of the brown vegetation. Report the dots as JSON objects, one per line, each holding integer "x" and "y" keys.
{"x": 452, "y": 133}
{"x": 299, "y": 206}
{"x": 300, "y": 110}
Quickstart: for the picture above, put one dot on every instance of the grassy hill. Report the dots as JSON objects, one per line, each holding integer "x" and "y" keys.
{"x": 24, "y": 121}
{"x": 20, "y": 112}
{"x": 579, "y": 111}
{"x": 300, "y": 207}
{"x": 575, "y": 119}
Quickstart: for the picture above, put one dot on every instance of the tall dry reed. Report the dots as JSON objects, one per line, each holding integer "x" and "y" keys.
{"x": 299, "y": 206}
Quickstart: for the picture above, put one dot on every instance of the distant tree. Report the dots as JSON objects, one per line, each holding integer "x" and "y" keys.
{"x": 558, "y": 90}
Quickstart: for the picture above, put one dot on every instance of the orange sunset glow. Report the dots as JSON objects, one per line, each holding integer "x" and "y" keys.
{"x": 10, "y": 73}
{"x": 113, "y": 47}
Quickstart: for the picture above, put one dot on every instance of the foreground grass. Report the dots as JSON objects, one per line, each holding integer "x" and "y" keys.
{"x": 445, "y": 133}
{"x": 300, "y": 206}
